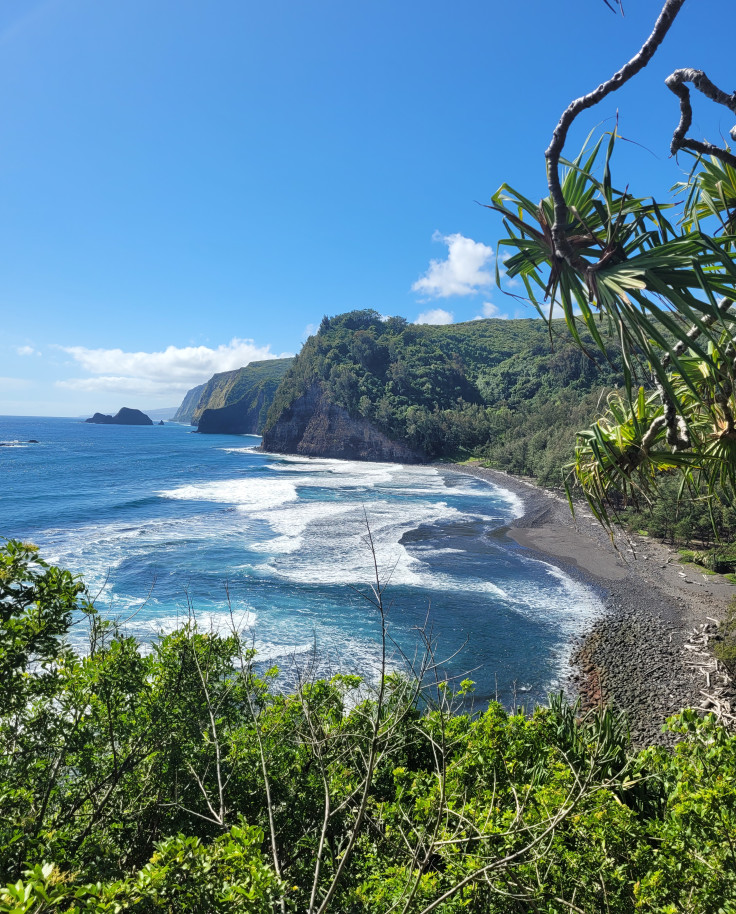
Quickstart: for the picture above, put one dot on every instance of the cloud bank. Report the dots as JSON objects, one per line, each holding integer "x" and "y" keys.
{"x": 464, "y": 272}
{"x": 170, "y": 372}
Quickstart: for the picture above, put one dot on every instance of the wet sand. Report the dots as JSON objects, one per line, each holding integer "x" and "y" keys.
{"x": 634, "y": 656}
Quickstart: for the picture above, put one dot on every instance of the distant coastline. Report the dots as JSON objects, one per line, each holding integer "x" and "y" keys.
{"x": 634, "y": 656}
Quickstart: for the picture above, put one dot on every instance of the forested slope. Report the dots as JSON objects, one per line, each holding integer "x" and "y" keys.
{"x": 503, "y": 389}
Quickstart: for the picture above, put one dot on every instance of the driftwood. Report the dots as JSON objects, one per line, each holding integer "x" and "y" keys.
{"x": 718, "y": 692}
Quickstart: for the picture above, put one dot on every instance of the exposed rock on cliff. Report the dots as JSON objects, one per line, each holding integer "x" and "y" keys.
{"x": 124, "y": 416}
{"x": 313, "y": 426}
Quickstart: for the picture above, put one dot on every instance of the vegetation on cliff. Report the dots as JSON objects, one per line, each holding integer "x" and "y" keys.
{"x": 244, "y": 394}
{"x": 449, "y": 390}
{"x": 185, "y": 779}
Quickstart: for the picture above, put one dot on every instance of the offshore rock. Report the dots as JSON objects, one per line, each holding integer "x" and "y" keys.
{"x": 313, "y": 426}
{"x": 124, "y": 416}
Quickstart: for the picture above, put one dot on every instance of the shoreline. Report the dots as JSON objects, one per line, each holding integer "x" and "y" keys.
{"x": 634, "y": 656}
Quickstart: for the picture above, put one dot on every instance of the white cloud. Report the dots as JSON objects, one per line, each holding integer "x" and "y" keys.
{"x": 169, "y": 372}
{"x": 435, "y": 316}
{"x": 26, "y": 350}
{"x": 490, "y": 310}
{"x": 464, "y": 272}
{"x": 309, "y": 330}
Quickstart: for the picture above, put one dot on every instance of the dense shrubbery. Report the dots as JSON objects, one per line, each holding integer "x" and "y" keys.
{"x": 184, "y": 780}
{"x": 683, "y": 517}
{"x": 493, "y": 387}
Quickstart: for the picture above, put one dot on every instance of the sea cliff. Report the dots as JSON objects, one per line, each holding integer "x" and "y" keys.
{"x": 234, "y": 402}
{"x": 314, "y": 426}
{"x": 376, "y": 388}
{"x": 188, "y": 405}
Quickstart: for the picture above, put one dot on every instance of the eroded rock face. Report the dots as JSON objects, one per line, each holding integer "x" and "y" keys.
{"x": 315, "y": 427}
{"x": 125, "y": 416}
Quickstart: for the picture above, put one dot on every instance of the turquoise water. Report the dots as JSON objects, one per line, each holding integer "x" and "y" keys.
{"x": 160, "y": 519}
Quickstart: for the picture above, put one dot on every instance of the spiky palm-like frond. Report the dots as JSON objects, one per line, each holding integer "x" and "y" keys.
{"x": 664, "y": 291}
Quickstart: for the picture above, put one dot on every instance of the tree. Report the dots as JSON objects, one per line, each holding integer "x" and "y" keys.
{"x": 613, "y": 262}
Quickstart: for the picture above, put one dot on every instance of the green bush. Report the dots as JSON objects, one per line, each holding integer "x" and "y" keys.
{"x": 185, "y": 780}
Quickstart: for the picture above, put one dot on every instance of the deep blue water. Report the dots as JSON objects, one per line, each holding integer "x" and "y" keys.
{"x": 160, "y": 519}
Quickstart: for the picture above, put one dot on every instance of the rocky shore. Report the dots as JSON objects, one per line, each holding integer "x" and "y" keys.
{"x": 635, "y": 656}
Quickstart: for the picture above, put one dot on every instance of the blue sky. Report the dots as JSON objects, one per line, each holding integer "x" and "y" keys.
{"x": 186, "y": 186}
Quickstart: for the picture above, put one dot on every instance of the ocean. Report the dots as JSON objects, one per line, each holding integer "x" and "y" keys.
{"x": 162, "y": 522}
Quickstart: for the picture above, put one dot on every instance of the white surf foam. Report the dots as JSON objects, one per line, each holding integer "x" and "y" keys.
{"x": 219, "y": 622}
{"x": 247, "y": 494}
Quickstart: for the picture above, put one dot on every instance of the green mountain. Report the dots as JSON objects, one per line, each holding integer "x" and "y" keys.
{"x": 365, "y": 387}
{"x": 234, "y": 402}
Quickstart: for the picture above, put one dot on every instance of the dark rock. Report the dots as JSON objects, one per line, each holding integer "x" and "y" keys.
{"x": 241, "y": 418}
{"x": 125, "y": 416}
{"x": 313, "y": 426}
{"x": 161, "y": 422}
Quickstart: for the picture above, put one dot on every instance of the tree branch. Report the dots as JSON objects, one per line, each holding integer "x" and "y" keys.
{"x": 677, "y": 84}
{"x": 667, "y": 16}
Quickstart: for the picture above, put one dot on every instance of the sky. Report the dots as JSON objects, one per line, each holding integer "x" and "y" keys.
{"x": 188, "y": 185}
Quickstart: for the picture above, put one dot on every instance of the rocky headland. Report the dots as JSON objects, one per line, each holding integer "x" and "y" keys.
{"x": 314, "y": 426}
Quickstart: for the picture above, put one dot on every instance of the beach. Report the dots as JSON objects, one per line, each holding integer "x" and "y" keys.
{"x": 634, "y": 657}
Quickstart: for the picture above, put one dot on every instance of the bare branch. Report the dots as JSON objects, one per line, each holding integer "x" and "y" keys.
{"x": 677, "y": 83}
{"x": 667, "y": 16}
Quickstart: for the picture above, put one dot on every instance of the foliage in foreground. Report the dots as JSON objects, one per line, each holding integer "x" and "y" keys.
{"x": 183, "y": 780}
{"x": 665, "y": 288}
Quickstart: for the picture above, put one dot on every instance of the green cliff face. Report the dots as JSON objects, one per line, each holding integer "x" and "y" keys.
{"x": 234, "y": 402}
{"x": 188, "y": 405}
{"x": 437, "y": 391}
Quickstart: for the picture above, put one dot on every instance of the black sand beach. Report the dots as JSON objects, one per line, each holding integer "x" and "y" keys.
{"x": 634, "y": 657}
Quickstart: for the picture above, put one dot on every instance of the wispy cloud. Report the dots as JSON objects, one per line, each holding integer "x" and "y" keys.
{"x": 465, "y": 271}
{"x": 26, "y": 350}
{"x": 435, "y": 316}
{"x": 169, "y": 372}
{"x": 490, "y": 310}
